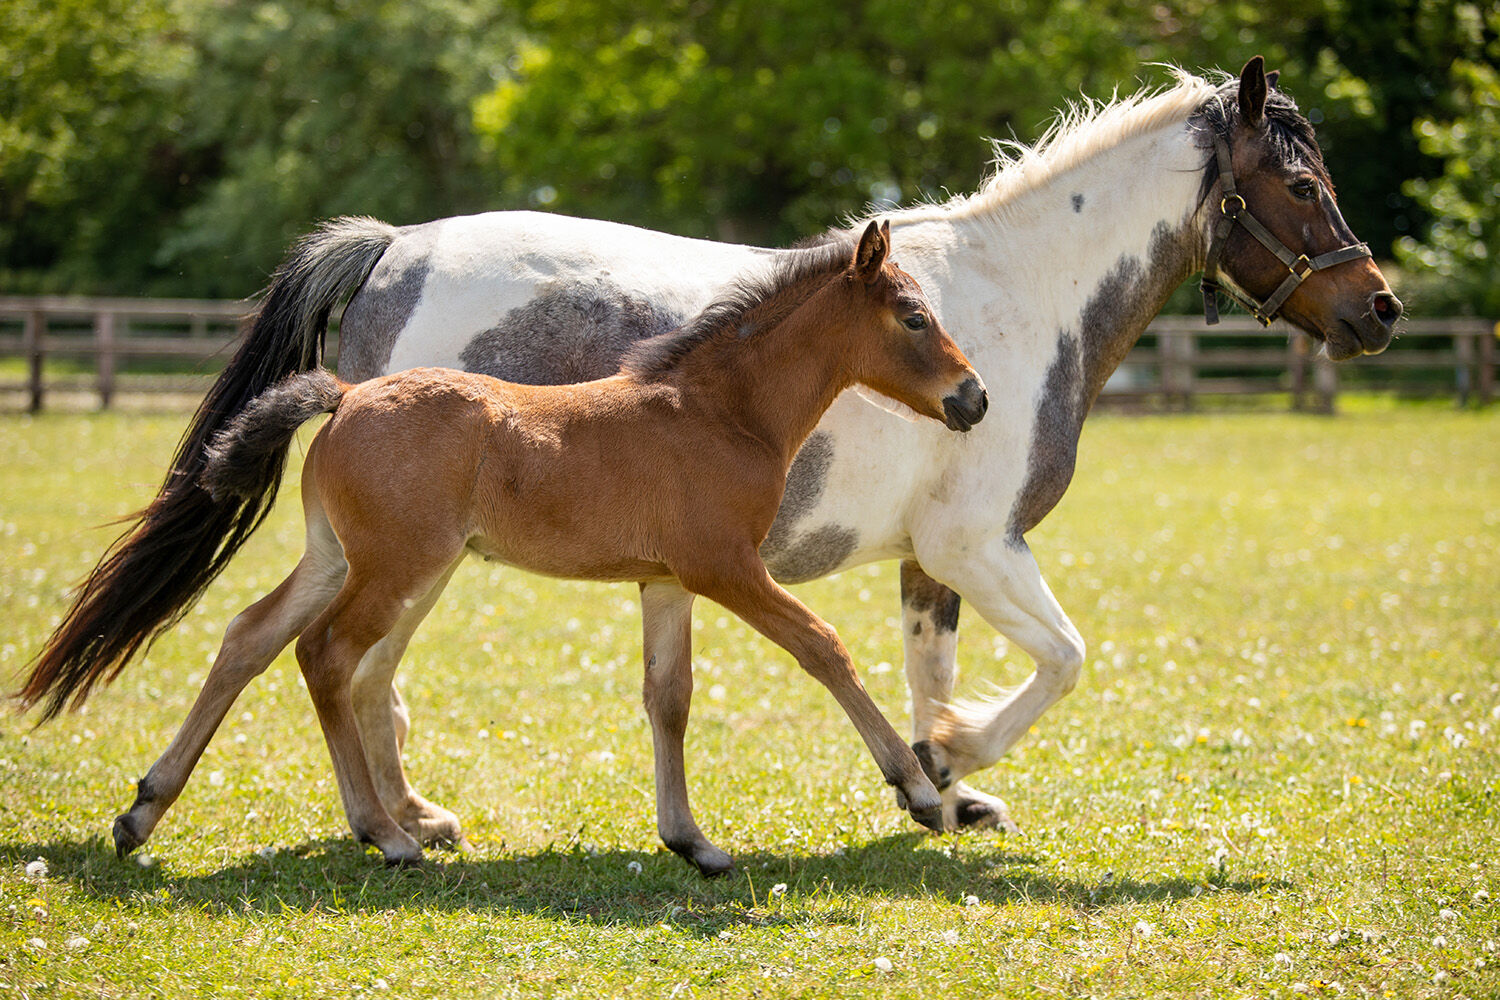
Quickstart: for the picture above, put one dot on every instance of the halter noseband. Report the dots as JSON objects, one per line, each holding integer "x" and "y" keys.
{"x": 1232, "y": 209}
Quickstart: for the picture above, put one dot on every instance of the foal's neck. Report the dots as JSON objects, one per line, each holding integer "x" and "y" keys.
{"x": 775, "y": 382}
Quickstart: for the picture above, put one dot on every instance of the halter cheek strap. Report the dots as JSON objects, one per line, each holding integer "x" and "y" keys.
{"x": 1232, "y": 209}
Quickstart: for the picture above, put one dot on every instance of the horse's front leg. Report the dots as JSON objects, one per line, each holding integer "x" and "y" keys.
{"x": 667, "y": 620}
{"x": 929, "y": 629}
{"x": 743, "y": 585}
{"x": 1001, "y": 581}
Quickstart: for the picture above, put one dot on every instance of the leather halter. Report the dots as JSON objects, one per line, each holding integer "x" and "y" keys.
{"x": 1232, "y": 209}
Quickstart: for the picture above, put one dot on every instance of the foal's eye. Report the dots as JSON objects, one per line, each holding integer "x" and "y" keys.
{"x": 1305, "y": 188}
{"x": 916, "y": 321}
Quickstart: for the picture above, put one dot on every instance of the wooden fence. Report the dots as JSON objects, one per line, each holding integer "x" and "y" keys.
{"x": 100, "y": 346}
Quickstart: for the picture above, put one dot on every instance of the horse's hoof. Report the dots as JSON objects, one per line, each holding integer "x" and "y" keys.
{"x": 405, "y": 861}
{"x": 974, "y": 810}
{"x": 934, "y": 761}
{"x": 127, "y": 838}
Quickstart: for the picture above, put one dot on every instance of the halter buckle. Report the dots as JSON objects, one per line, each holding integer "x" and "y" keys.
{"x": 1224, "y": 205}
{"x": 1302, "y": 259}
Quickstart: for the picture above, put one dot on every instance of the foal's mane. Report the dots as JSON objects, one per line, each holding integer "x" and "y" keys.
{"x": 1087, "y": 128}
{"x": 752, "y": 302}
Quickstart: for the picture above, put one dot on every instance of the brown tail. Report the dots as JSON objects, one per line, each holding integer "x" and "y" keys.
{"x": 151, "y": 575}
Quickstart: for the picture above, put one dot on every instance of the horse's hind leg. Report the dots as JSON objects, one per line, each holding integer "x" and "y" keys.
{"x": 383, "y": 723}
{"x": 748, "y": 590}
{"x": 250, "y": 643}
{"x": 667, "y": 613}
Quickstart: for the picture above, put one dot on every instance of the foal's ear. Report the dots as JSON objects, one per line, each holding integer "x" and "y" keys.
{"x": 1272, "y": 77}
{"x": 874, "y": 246}
{"x": 1253, "y": 92}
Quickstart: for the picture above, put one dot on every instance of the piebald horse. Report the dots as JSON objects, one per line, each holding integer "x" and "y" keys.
{"x": 1071, "y": 245}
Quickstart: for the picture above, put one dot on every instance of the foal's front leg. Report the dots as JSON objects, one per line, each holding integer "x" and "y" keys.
{"x": 667, "y": 617}
{"x": 745, "y": 587}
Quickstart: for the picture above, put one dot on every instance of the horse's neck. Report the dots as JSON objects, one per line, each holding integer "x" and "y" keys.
{"x": 775, "y": 383}
{"x": 1084, "y": 260}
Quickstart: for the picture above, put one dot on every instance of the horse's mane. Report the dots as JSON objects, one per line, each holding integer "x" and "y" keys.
{"x": 752, "y": 302}
{"x": 1088, "y": 127}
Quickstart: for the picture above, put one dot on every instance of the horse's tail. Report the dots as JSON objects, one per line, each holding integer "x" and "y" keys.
{"x": 149, "y": 577}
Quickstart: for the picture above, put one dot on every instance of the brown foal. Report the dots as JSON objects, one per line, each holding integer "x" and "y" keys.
{"x": 669, "y": 474}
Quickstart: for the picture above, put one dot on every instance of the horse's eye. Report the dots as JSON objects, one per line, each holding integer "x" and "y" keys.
{"x": 1305, "y": 188}
{"x": 916, "y": 321}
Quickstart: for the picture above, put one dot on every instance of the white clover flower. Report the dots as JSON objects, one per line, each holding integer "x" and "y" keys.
{"x": 1282, "y": 958}
{"x": 76, "y": 943}
{"x": 1143, "y": 929}
{"x": 971, "y": 900}
{"x": 36, "y": 944}
{"x": 779, "y": 889}
{"x": 144, "y": 860}
{"x": 1440, "y": 942}
{"x": 634, "y": 867}
{"x": 37, "y": 868}
{"x": 216, "y": 778}
{"x": 883, "y": 964}
{"x": 949, "y": 937}
{"x": 1447, "y": 914}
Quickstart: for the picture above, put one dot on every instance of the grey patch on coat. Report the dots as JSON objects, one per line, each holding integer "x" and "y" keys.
{"x": 805, "y": 482}
{"x": 1112, "y": 320}
{"x": 814, "y": 554}
{"x": 924, "y": 595}
{"x": 571, "y": 334}
{"x": 1077, "y": 200}
{"x": 382, "y": 307}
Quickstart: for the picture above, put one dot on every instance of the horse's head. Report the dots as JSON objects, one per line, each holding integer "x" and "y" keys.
{"x": 1277, "y": 231}
{"x": 903, "y": 351}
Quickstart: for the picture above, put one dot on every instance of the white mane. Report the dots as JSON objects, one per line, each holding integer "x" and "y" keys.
{"x": 1084, "y": 130}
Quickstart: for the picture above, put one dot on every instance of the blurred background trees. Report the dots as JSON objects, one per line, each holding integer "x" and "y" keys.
{"x": 177, "y": 146}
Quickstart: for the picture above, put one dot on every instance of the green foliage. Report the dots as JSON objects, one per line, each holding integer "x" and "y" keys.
{"x": 89, "y": 162}
{"x": 1277, "y": 776}
{"x": 177, "y": 146}
{"x": 1463, "y": 243}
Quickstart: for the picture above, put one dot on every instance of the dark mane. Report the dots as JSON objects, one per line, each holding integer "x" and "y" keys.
{"x": 1290, "y": 135}
{"x": 738, "y": 308}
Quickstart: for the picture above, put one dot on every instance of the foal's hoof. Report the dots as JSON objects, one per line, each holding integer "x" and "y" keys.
{"x": 708, "y": 859}
{"x": 931, "y": 818}
{"x": 409, "y": 863}
{"x": 127, "y": 836}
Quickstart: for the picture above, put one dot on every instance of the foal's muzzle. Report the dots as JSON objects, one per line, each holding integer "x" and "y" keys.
{"x": 966, "y": 407}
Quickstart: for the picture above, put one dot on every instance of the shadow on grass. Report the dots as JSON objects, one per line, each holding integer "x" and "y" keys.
{"x": 604, "y": 888}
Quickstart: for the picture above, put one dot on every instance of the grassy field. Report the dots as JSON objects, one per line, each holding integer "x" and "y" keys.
{"x": 1278, "y": 775}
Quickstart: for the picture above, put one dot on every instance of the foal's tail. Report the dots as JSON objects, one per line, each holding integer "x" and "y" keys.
{"x": 250, "y": 450}
{"x": 149, "y": 577}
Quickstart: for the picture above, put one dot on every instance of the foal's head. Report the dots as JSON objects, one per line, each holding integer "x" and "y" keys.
{"x": 902, "y": 351}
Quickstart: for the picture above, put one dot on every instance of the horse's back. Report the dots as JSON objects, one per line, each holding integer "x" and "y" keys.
{"x": 528, "y": 297}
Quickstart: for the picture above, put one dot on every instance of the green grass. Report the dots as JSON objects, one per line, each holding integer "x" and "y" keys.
{"x": 1278, "y": 775}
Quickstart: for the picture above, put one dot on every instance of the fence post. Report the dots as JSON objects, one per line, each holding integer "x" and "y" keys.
{"x": 33, "y": 328}
{"x": 1325, "y": 382}
{"x": 104, "y": 344}
{"x": 1486, "y": 380}
{"x": 1296, "y": 363}
{"x": 1463, "y": 365}
{"x": 1175, "y": 348}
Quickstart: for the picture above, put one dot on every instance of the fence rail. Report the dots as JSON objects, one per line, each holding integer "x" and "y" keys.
{"x": 1177, "y": 362}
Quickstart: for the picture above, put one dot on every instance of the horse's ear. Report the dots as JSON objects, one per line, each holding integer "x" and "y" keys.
{"x": 874, "y": 245}
{"x": 1253, "y": 92}
{"x": 1271, "y": 79}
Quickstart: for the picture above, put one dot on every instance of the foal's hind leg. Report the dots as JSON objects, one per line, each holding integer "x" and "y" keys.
{"x": 667, "y": 614}
{"x": 251, "y": 642}
{"x": 383, "y": 722}
{"x": 380, "y": 588}
{"x": 745, "y": 588}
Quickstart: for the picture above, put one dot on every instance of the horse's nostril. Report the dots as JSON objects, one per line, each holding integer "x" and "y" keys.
{"x": 1386, "y": 307}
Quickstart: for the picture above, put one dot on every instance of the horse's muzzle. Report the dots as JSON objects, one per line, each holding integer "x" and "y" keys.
{"x": 966, "y": 407}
